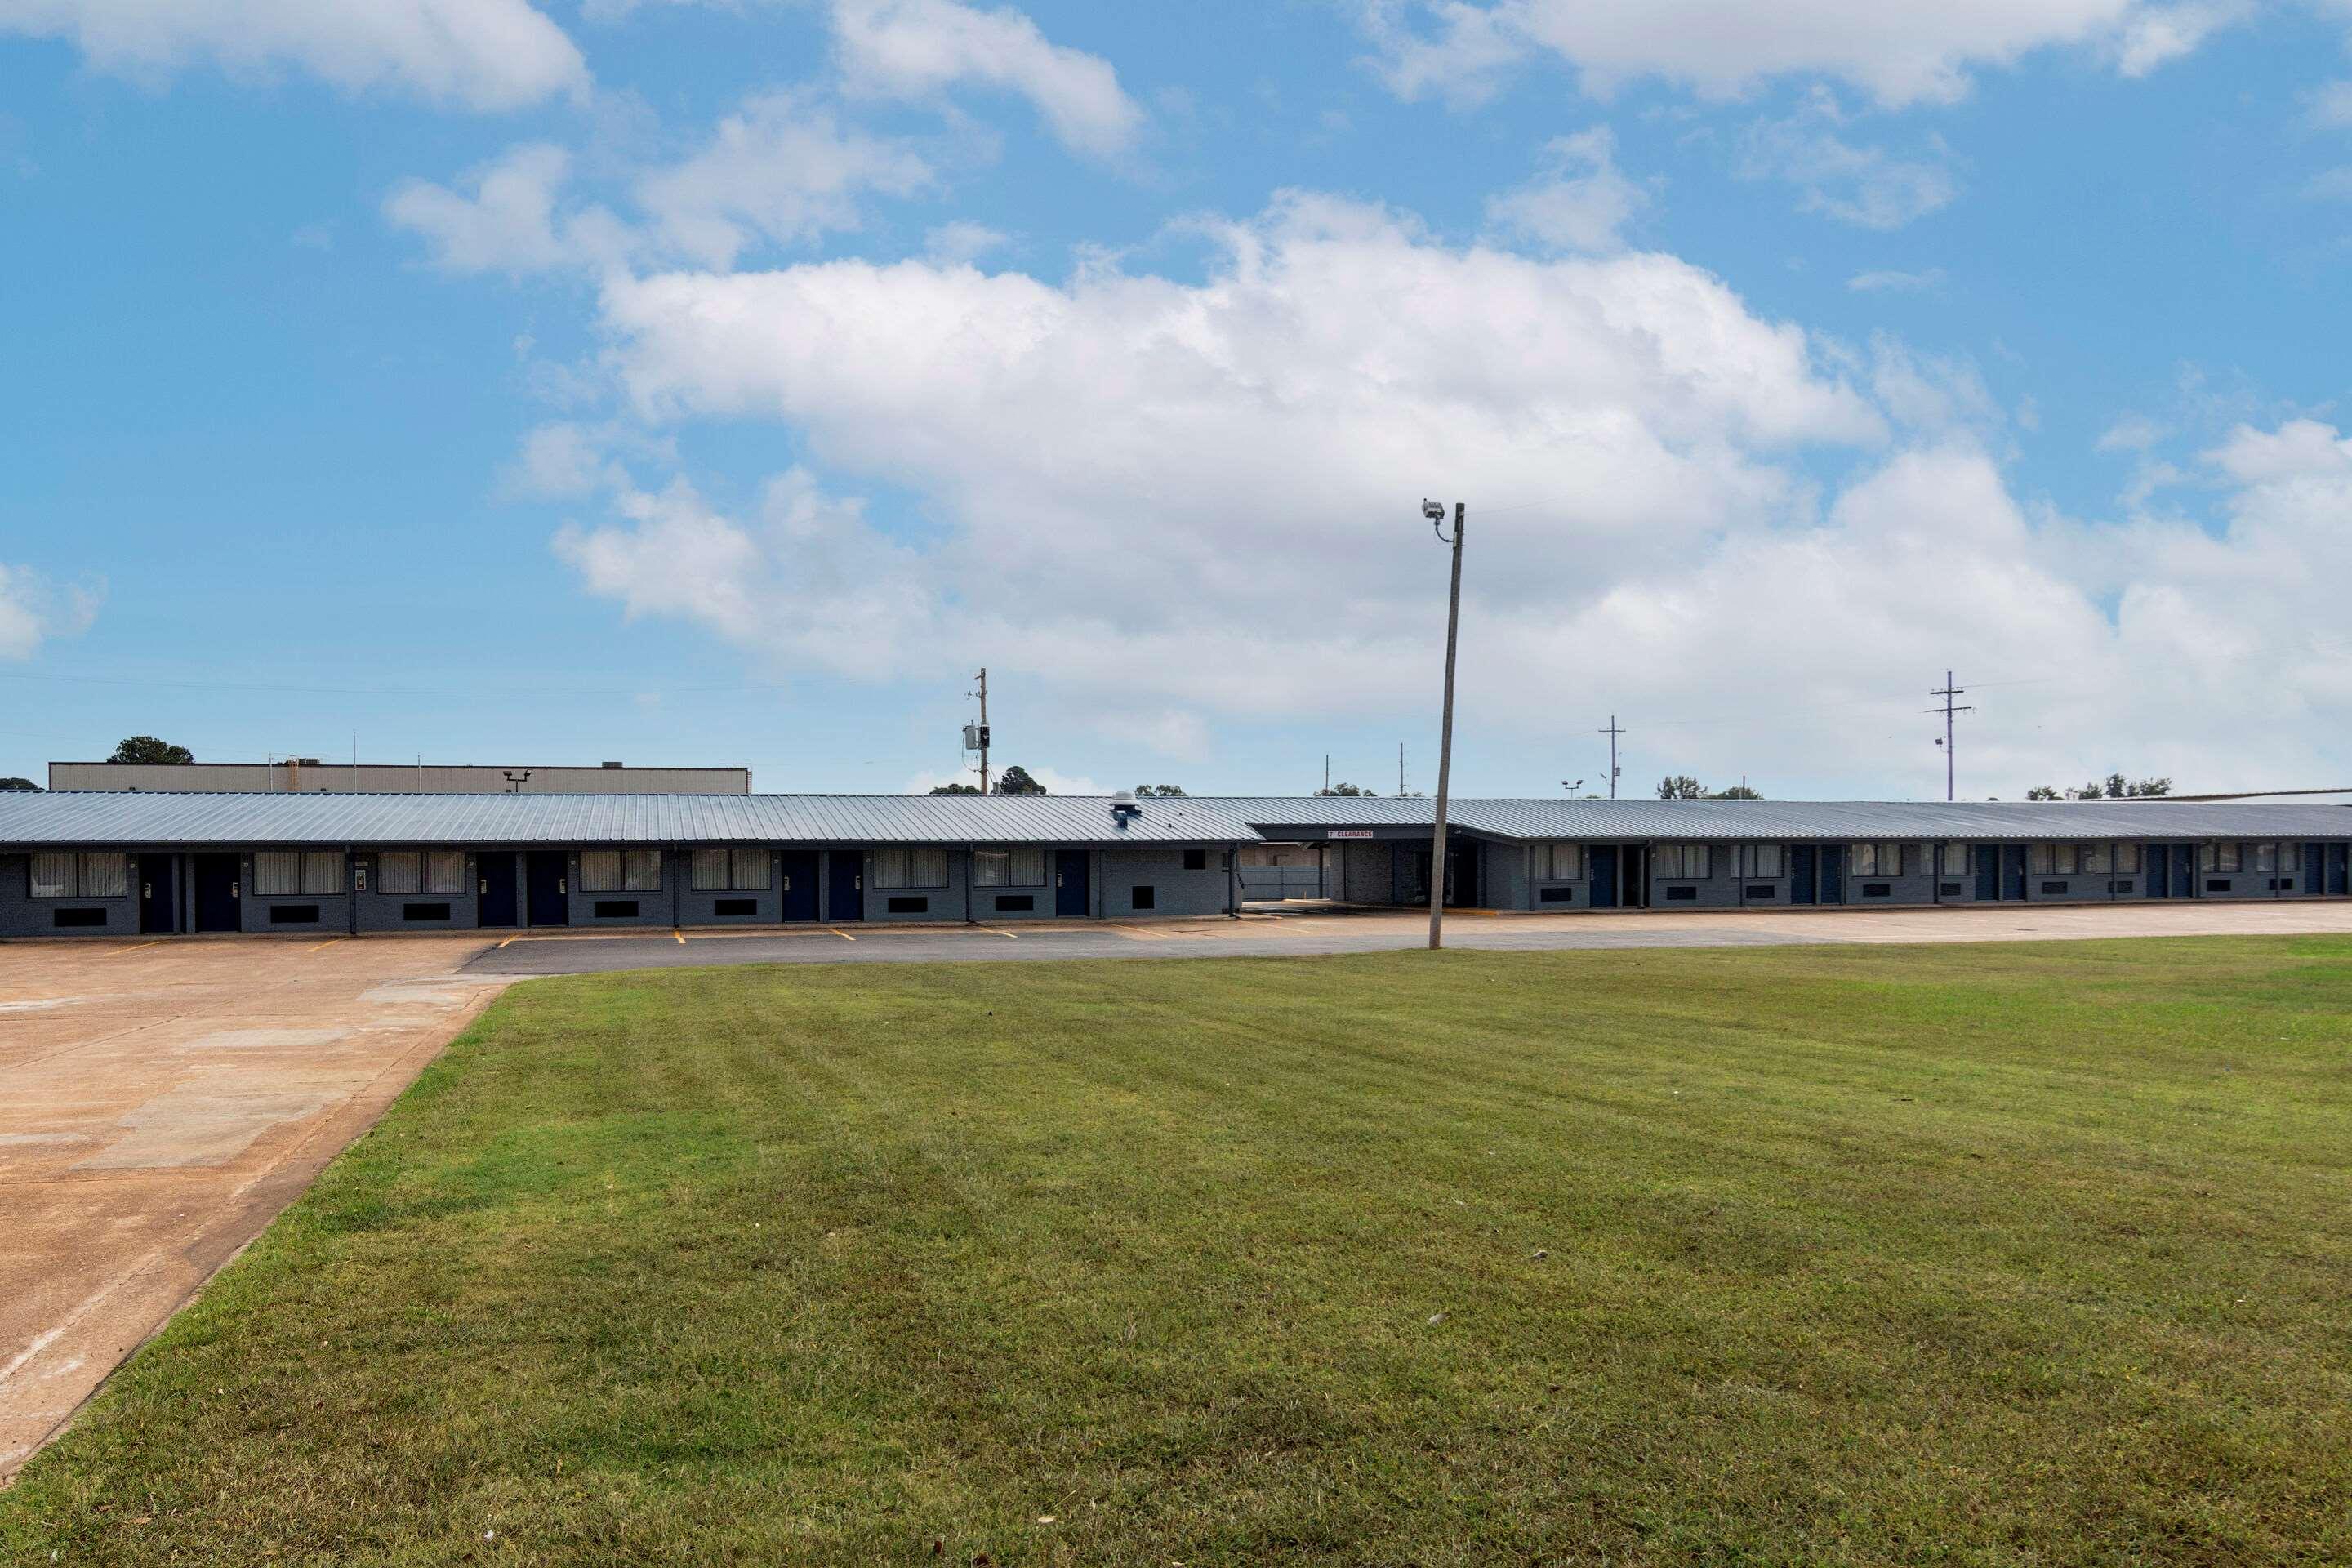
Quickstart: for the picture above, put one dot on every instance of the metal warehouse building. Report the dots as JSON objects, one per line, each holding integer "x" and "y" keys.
{"x": 117, "y": 864}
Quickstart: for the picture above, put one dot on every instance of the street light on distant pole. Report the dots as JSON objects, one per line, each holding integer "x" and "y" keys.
{"x": 1435, "y": 513}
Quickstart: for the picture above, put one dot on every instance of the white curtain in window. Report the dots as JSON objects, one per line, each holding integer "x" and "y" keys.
{"x": 445, "y": 871}
{"x": 1763, "y": 860}
{"x": 889, "y": 869}
{"x": 991, "y": 868}
{"x": 1956, "y": 859}
{"x": 53, "y": 876}
{"x": 323, "y": 871}
{"x": 927, "y": 867}
{"x": 276, "y": 873}
{"x": 2128, "y": 859}
{"x": 750, "y": 870}
{"x": 599, "y": 870}
{"x": 396, "y": 871}
{"x": 1028, "y": 868}
{"x": 710, "y": 870}
{"x": 2290, "y": 859}
{"x": 641, "y": 871}
{"x": 106, "y": 875}
{"x": 2094, "y": 860}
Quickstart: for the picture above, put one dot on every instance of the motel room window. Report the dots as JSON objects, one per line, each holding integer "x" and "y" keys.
{"x": 1683, "y": 861}
{"x": 2225, "y": 856}
{"x": 1761, "y": 860}
{"x": 1019, "y": 866}
{"x": 620, "y": 870}
{"x": 2051, "y": 860}
{"x": 1556, "y": 862}
{"x": 2093, "y": 860}
{"x": 2272, "y": 858}
{"x": 420, "y": 871}
{"x": 287, "y": 873}
{"x": 98, "y": 874}
{"x": 720, "y": 870}
{"x": 1956, "y": 860}
{"x": 920, "y": 866}
{"x": 1876, "y": 860}
{"x": 2127, "y": 860}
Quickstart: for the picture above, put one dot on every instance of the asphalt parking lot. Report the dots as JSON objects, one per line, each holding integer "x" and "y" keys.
{"x": 1309, "y": 931}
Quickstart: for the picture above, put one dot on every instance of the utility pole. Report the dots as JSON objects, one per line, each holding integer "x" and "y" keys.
{"x": 1947, "y": 692}
{"x": 982, "y": 737}
{"x": 1400, "y": 769}
{"x": 1326, "y": 772}
{"x": 1435, "y": 513}
{"x": 1612, "y": 732}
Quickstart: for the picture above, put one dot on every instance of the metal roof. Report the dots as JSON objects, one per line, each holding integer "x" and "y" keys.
{"x": 29, "y": 817}
{"x": 1801, "y": 819}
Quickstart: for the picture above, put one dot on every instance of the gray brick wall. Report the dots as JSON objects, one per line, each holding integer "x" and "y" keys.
{"x": 21, "y": 914}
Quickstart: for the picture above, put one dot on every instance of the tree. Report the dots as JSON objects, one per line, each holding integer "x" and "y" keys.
{"x": 19, "y": 784}
{"x": 1015, "y": 780}
{"x": 148, "y": 749}
{"x": 1159, "y": 792}
{"x": 2148, "y": 789}
{"x": 2042, "y": 792}
{"x": 1680, "y": 787}
{"x": 1736, "y": 792}
{"x": 955, "y": 789}
{"x": 1350, "y": 791}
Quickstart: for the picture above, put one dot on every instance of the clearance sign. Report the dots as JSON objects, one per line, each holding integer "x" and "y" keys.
{"x": 1347, "y": 833}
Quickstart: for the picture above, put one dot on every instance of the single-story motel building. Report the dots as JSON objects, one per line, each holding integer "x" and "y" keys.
{"x": 119, "y": 864}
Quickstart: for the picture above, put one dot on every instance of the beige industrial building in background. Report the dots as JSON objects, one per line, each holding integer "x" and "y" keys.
{"x": 310, "y": 775}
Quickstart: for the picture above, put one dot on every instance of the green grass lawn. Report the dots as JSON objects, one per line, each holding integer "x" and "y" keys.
{"x": 2006, "y": 1254}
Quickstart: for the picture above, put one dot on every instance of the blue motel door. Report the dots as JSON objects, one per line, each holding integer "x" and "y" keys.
{"x": 1073, "y": 898}
{"x": 845, "y": 892}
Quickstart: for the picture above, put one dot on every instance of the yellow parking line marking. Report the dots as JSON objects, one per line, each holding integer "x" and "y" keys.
{"x": 328, "y": 943}
{"x": 134, "y": 947}
{"x": 842, "y": 934}
{"x": 1005, "y": 934}
{"x": 502, "y": 944}
{"x": 680, "y": 935}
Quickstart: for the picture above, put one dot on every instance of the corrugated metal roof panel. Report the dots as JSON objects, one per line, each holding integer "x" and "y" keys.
{"x": 29, "y": 818}
{"x": 1802, "y": 819}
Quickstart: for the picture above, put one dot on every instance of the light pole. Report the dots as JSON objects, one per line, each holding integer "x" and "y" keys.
{"x": 1435, "y": 513}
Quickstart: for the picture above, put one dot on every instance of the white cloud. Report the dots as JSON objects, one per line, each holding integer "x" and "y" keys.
{"x": 1580, "y": 203}
{"x": 782, "y": 169}
{"x": 1898, "y": 54}
{"x": 478, "y": 54}
{"x": 33, "y": 610}
{"x": 2331, "y": 106}
{"x": 2132, "y": 433}
{"x": 1123, "y": 482}
{"x": 1096, "y": 442}
{"x": 1866, "y": 186}
{"x": 963, "y": 242}
{"x": 504, "y": 218}
{"x": 1892, "y": 282}
{"x": 2156, "y": 36}
{"x": 915, "y": 49}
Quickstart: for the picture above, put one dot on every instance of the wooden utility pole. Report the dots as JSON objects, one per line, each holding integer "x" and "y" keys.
{"x": 1435, "y": 513}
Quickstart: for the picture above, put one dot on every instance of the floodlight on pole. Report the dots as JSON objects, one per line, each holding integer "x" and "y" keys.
{"x": 1435, "y": 513}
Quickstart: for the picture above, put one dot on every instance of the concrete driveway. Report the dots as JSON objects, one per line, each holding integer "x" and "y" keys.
{"x": 163, "y": 1101}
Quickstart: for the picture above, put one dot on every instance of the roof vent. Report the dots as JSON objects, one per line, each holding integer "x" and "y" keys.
{"x": 1123, "y": 807}
{"x": 611, "y": 765}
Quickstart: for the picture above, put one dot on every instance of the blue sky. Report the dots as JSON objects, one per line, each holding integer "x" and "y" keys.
{"x": 724, "y": 383}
